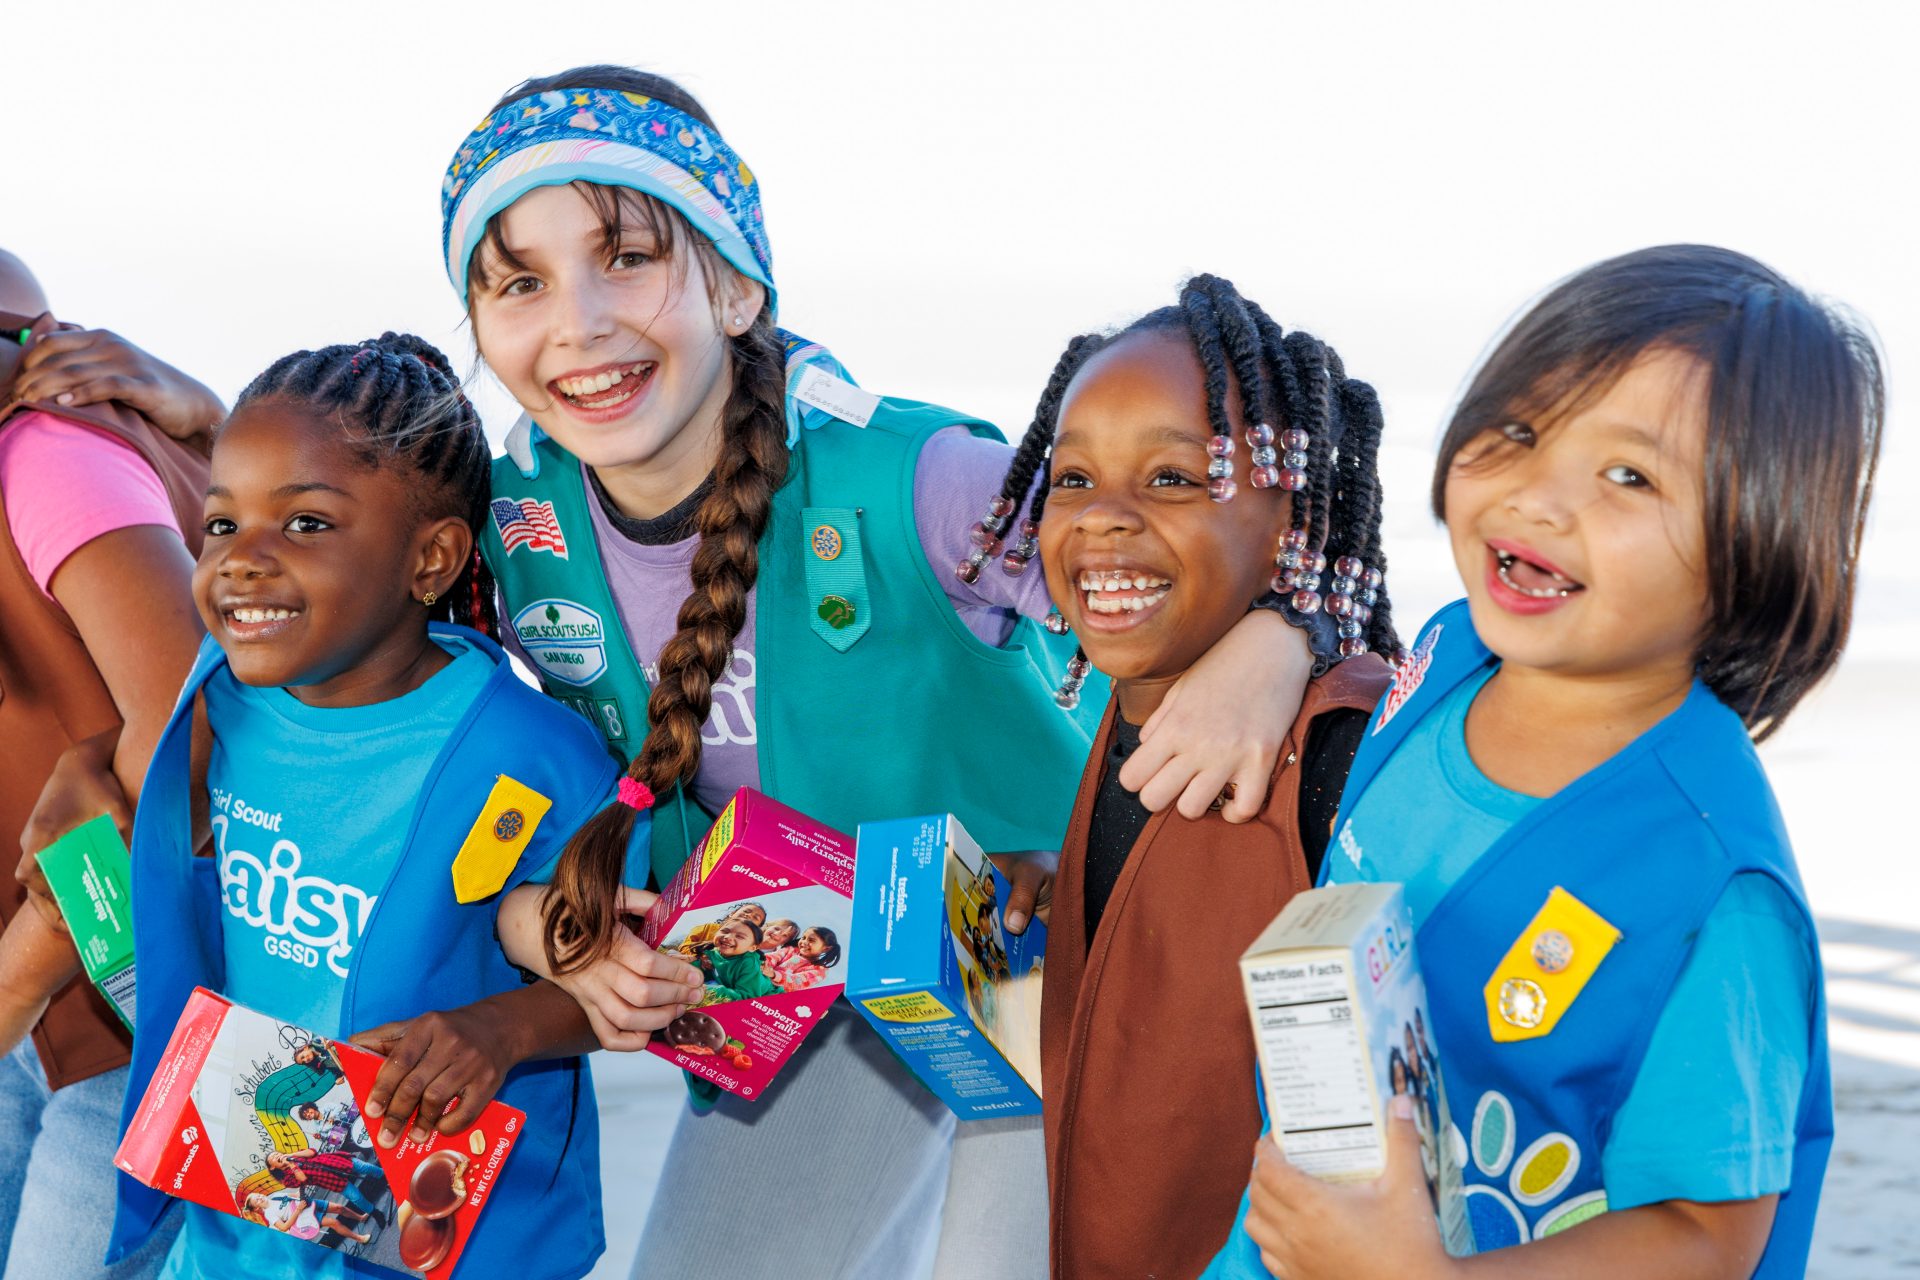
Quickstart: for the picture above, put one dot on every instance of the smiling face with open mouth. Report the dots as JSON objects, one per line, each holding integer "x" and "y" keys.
{"x": 613, "y": 342}
{"x": 1581, "y": 539}
{"x": 313, "y": 563}
{"x": 1148, "y": 570}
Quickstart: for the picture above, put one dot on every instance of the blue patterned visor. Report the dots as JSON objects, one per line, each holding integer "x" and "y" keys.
{"x": 614, "y": 139}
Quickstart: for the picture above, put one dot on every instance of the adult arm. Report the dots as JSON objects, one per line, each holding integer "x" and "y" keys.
{"x": 128, "y": 594}
{"x": 91, "y": 366}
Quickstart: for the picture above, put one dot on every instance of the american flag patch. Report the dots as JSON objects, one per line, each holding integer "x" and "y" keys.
{"x": 1406, "y": 678}
{"x": 526, "y": 523}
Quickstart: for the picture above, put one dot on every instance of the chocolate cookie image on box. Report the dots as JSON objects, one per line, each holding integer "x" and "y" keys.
{"x": 424, "y": 1242}
{"x": 439, "y": 1184}
{"x": 696, "y": 1032}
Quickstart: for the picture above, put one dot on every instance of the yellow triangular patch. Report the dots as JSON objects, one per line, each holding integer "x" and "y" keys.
{"x": 1546, "y": 968}
{"x": 499, "y": 836}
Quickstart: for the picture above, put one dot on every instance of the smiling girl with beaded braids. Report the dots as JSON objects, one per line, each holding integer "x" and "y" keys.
{"x": 1157, "y": 528}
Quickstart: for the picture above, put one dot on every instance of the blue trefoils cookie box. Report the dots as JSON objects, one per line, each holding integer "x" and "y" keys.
{"x": 937, "y": 974}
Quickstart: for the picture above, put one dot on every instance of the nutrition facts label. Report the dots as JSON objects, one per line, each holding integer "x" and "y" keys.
{"x": 1314, "y": 1055}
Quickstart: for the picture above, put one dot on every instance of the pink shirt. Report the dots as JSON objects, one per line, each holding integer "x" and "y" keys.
{"x": 64, "y": 484}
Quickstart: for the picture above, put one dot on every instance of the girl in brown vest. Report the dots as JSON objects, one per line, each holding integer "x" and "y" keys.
{"x": 1186, "y": 465}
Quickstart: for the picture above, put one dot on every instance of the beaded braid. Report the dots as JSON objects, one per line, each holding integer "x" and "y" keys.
{"x": 989, "y": 532}
{"x": 1327, "y": 457}
{"x": 1366, "y": 424}
{"x": 400, "y": 402}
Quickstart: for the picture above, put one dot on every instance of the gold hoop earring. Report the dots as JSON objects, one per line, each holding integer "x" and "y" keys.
{"x": 429, "y": 598}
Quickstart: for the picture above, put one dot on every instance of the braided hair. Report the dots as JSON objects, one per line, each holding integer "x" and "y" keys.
{"x": 399, "y": 403}
{"x": 752, "y": 464}
{"x": 1292, "y": 390}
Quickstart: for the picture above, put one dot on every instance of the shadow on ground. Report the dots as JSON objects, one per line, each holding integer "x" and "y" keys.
{"x": 1869, "y": 1225}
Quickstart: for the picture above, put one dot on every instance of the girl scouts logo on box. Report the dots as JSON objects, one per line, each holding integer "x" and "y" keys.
{"x": 1406, "y": 680}
{"x": 565, "y": 640}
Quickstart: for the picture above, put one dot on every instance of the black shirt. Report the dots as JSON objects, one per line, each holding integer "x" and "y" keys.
{"x": 1119, "y": 817}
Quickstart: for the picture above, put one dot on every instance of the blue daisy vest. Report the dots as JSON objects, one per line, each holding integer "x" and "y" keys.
{"x": 1539, "y": 1054}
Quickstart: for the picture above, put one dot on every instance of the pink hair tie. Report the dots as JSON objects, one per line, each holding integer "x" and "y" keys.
{"x": 634, "y": 794}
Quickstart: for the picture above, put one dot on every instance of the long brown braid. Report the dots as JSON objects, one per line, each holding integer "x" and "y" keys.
{"x": 579, "y": 915}
{"x": 753, "y": 459}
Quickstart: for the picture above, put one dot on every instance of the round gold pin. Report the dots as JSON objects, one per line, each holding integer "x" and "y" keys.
{"x": 827, "y": 543}
{"x": 1522, "y": 1003}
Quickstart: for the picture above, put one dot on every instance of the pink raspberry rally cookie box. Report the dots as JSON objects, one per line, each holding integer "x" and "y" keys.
{"x": 763, "y": 908}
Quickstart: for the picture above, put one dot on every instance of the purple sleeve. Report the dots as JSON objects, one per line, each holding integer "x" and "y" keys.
{"x": 956, "y": 474}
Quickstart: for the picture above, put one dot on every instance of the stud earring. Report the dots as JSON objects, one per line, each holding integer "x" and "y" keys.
{"x": 737, "y": 324}
{"x": 429, "y": 598}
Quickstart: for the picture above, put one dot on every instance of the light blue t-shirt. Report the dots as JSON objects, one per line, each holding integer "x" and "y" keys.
{"x": 1711, "y": 1114}
{"x": 310, "y": 808}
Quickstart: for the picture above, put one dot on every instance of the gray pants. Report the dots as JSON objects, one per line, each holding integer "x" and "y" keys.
{"x": 842, "y": 1170}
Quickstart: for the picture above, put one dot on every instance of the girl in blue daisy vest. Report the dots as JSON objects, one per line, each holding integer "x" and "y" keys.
{"x": 1654, "y": 489}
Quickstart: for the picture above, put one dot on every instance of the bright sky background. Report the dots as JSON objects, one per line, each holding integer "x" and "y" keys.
{"x": 953, "y": 191}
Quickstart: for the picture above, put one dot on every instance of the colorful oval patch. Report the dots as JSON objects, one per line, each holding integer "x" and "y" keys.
{"x": 1544, "y": 1169}
{"x": 1571, "y": 1214}
{"x": 509, "y": 824}
{"x": 1492, "y": 1133}
{"x": 1496, "y": 1220}
{"x": 827, "y": 542}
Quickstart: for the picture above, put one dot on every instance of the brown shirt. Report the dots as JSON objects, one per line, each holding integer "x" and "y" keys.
{"x": 51, "y": 696}
{"x": 1147, "y": 1055}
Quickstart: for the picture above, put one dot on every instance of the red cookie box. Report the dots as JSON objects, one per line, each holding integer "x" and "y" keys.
{"x": 236, "y": 1086}
{"x": 763, "y": 998}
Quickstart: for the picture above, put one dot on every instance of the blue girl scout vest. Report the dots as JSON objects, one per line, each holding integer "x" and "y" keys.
{"x": 429, "y": 944}
{"x": 1548, "y": 959}
{"x": 873, "y": 699}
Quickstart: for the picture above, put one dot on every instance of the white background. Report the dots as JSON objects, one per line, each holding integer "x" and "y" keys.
{"x": 953, "y": 192}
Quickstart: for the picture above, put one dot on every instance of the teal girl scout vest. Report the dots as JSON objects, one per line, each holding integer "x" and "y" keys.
{"x": 423, "y": 948}
{"x": 873, "y": 698}
{"x": 1547, "y": 960}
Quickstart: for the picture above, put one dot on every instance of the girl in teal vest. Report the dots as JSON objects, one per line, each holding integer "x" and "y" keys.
{"x": 745, "y": 570}
{"x": 1655, "y": 489}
